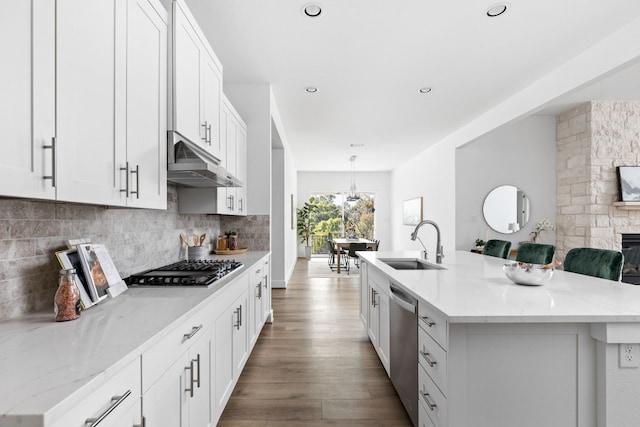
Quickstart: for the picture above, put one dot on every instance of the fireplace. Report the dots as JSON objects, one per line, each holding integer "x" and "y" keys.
{"x": 631, "y": 252}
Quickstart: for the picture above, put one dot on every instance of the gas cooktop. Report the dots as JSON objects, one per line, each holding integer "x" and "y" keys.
{"x": 186, "y": 273}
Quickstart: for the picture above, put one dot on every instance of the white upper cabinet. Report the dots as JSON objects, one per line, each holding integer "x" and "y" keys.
{"x": 197, "y": 83}
{"x": 146, "y": 105}
{"x": 232, "y": 200}
{"x": 86, "y": 101}
{"x": 27, "y": 94}
{"x": 91, "y": 99}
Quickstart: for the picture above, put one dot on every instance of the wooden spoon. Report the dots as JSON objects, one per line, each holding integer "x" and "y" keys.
{"x": 196, "y": 240}
{"x": 183, "y": 237}
{"x": 203, "y": 237}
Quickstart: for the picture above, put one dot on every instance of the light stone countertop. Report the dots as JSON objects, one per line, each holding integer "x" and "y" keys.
{"x": 474, "y": 289}
{"x": 44, "y": 363}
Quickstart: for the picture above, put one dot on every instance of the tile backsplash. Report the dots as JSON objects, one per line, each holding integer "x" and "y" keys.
{"x": 137, "y": 239}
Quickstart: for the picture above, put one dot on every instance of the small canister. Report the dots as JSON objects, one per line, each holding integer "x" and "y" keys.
{"x": 222, "y": 243}
{"x": 233, "y": 242}
{"x": 67, "y": 304}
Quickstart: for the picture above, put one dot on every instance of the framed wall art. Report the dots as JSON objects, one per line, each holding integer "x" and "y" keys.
{"x": 412, "y": 211}
{"x": 629, "y": 183}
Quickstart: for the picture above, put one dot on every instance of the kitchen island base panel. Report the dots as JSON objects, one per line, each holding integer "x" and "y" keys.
{"x": 526, "y": 375}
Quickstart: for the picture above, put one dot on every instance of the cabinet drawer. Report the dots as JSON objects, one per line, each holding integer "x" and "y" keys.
{"x": 120, "y": 393}
{"x": 434, "y": 323}
{"x": 433, "y": 359}
{"x": 157, "y": 359}
{"x": 433, "y": 400}
{"x": 423, "y": 418}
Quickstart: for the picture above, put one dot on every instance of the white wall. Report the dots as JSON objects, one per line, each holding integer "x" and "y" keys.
{"x": 332, "y": 182}
{"x": 431, "y": 175}
{"x": 522, "y": 154}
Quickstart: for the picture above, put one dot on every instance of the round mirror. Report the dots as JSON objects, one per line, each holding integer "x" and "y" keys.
{"x": 506, "y": 209}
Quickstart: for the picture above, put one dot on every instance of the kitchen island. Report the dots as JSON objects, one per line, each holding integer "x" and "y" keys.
{"x": 144, "y": 347}
{"x": 512, "y": 355}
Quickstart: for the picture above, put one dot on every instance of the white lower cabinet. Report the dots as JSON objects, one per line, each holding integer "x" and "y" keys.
{"x": 231, "y": 348}
{"x": 111, "y": 402}
{"x": 260, "y": 292}
{"x": 378, "y": 315}
{"x": 176, "y": 390}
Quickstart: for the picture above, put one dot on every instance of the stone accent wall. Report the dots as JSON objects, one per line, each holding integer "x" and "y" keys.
{"x": 137, "y": 239}
{"x": 592, "y": 140}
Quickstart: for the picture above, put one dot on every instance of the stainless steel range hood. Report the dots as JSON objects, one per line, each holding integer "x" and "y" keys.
{"x": 190, "y": 165}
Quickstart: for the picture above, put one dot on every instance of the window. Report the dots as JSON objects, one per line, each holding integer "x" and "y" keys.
{"x": 338, "y": 217}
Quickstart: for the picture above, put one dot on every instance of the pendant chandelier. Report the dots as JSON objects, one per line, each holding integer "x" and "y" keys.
{"x": 353, "y": 193}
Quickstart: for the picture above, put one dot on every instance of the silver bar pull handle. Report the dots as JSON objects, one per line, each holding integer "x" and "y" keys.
{"x": 237, "y": 323}
{"x": 194, "y": 330}
{"x": 209, "y": 133}
{"x": 265, "y": 281}
{"x": 117, "y": 400}
{"x": 52, "y": 147}
{"x": 429, "y": 360}
{"x": 190, "y": 369}
{"x": 240, "y": 204}
{"x": 204, "y": 125}
{"x": 240, "y": 315}
{"x": 430, "y": 323}
{"x": 197, "y": 360}
{"x": 259, "y": 293}
{"x": 126, "y": 180}
{"x": 427, "y": 399}
{"x": 137, "y": 172}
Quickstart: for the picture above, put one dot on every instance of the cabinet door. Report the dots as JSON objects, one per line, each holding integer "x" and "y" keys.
{"x": 161, "y": 404}
{"x": 90, "y": 99}
{"x": 266, "y": 291}
{"x": 196, "y": 378}
{"x": 241, "y": 336}
{"x": 364, "y": 293}
{"x": 186, "y": 77}
{"x": 241, "y": 169}
{"x": 374, "y": 316}
{"x": 146, "y": 105}
{"x": 384, "y": 344}
{"x": 27, "y": 91}
{"x": 256, "y": 290}
{"x": 211, "y": 91}
{"x": 223, "y": 357}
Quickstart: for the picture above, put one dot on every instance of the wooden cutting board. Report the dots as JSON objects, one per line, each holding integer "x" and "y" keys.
{"x": 230, "y": 252}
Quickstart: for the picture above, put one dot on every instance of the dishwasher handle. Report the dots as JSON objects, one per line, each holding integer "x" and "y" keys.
{"x": 402, "y": 299}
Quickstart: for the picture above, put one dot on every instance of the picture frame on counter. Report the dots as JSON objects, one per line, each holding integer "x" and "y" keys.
{"x": 69, "y": 258}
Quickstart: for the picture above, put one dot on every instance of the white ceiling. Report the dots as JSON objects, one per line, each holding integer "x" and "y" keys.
{"x": 369, "y": 59}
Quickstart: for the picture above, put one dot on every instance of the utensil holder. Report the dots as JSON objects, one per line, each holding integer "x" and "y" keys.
{"x": 196, "y": 252}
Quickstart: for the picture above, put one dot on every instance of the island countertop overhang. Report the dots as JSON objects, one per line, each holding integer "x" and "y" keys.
{"x": 472, "y": 288}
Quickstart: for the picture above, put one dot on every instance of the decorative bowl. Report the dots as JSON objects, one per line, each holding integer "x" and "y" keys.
{"x": 527, "y": 274}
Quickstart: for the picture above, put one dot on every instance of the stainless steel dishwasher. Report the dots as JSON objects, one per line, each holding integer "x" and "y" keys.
{"x": 403, "y": 325}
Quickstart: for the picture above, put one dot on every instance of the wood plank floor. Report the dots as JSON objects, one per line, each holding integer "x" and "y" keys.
{"x": 314, "y": 366}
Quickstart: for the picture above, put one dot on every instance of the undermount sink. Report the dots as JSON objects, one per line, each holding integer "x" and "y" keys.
{"x": 410, "y": 264}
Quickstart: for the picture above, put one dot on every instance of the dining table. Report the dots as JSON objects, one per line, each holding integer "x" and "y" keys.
{"x": 341, "y": 243}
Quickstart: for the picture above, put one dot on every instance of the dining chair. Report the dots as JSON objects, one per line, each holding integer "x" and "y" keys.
{"x": 535, "y": 253}
{"x": 353, "y": 248}
{"x": 603, "y": 263}
{"x": 376, "y": 245}
{"x": 332, "y": 251}
{"x": 497, "y": 248}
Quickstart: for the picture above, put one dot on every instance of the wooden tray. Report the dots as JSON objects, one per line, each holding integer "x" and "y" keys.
{"x": 230, "y": 252}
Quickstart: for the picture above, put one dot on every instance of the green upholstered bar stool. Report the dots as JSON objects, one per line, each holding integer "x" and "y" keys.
{"x": 602, "y": 263}
{"x": 535, "y": 253}
{"x": 497, "y": 248}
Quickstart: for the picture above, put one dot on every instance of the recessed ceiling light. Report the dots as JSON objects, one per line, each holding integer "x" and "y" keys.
{"x": 497, "y": 9}
{"x": 311, "y": 89}
{"x": 426, "y": 89}
{"x": 312, "y": 10}
{"x": 356, "y": 145}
